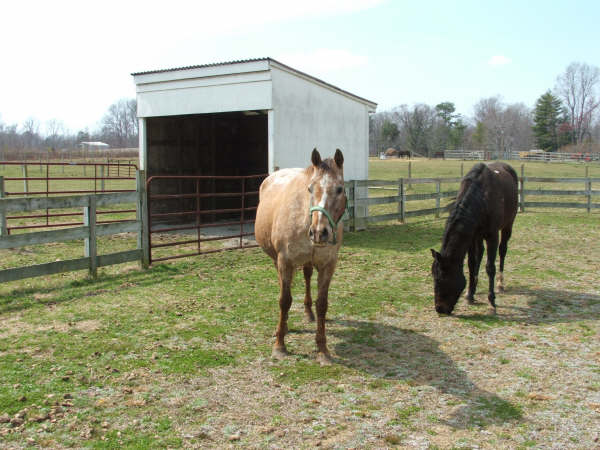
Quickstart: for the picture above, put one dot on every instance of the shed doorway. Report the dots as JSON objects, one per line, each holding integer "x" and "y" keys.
{"x": 204, "y": 172}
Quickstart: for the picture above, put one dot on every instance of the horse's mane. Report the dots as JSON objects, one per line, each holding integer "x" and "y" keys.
{"x": 469, "y": 205}
{"x": 326, "y": 165}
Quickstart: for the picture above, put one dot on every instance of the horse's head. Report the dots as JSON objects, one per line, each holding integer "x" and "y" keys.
{"x": 327, "y": 198}
{"x": 448, "y": 283}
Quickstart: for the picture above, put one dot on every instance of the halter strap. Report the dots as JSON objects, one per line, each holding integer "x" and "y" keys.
{"x": 333, "y": 224}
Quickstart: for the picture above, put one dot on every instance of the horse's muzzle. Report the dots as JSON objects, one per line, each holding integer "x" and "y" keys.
{"x": 319, "y": 236}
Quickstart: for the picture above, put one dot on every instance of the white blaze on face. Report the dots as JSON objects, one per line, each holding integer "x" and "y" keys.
{"x": 497, "y": 171}
{"x": 324, "y": 183}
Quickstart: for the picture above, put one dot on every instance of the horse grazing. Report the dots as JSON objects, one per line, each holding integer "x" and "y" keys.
{"x": 486, "y": 204}
{"x": 298, "y": 223}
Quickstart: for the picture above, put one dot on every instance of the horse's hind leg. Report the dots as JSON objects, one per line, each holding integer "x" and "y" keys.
{"x": 475, "y": 255}
{"x": 286, "y": 274}
{"x": 490, "y": 267}
{"x": 308, "y": 314}
{"x": 505, "y": 236}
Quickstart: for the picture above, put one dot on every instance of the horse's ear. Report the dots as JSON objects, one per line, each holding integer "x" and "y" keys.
{"x": 437, "y": 256}
{"x": 339, "y": 158}
{"x": 315, "y": 157}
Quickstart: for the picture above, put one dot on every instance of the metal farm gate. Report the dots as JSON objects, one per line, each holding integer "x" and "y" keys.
{"x": 194, "y": 215}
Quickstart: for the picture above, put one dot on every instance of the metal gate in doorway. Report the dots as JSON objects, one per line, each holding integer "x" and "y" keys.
{"x": 195, "y": 215}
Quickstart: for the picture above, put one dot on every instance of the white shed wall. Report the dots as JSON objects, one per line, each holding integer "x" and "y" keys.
{"x": 309, "y": 115}
{"x": 235, "y": 92}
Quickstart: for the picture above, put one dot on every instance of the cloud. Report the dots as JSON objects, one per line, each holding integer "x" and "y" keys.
{"x": 499, "y": 60}
{"x": 323, "y": 60}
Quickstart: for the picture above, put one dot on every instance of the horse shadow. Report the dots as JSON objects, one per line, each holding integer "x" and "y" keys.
{"x": 391, "y": 353}
{"x": 544, "y": 306}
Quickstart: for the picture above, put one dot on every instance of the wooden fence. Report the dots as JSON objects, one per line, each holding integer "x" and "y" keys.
{"x": 89, "y": 232}
{"x": 586, "y": 192}
{"x": 402, "y": 198}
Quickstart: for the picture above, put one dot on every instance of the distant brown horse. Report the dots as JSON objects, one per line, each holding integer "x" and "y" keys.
{"x": 298, "y": 223}
{"x": 486, "y": 205}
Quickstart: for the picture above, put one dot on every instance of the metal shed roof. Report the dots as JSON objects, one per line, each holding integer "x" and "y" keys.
{"x": 268, "y": 60}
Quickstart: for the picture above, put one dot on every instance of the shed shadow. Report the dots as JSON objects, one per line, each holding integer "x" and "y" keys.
{"x": 393, "y": 353}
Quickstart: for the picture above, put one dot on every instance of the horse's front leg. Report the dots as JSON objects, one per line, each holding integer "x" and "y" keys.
{"x": 324, "y": 279}
{"x": 490, "y": 267}
{"x": 308, "y": 314}
{"x": 286, "y": 274}
{"x": 475, "y": 255}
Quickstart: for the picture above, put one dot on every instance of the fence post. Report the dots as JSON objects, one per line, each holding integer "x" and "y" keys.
{"x": 409, "y": 173}
{"x": 90, "y": 244}
{"x": 438, "y": 190}
{"x": 142, "y": 216}
{"x": 462, "y": 170}
{"x": 522, "y": 187}
{"x": 25, "y": 180}
{"x": 402, "y": 202}
{"x": 588, "y": 188}
{"x": 354, "y": 209}
{"x": 3, "y": 226}
{"x": 102, "y": 178}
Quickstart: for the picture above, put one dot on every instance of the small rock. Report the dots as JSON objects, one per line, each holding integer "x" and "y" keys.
{"x": 4, "y": 418}
{"x": 16, "y": 421}
{"x": 234, "y": 437}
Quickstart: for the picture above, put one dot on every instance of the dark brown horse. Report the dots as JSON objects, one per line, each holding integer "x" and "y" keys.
{"x": 486, "y": 205}
{"x": 298, "y": 224}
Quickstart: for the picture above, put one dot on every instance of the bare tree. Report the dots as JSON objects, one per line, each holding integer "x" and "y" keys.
{"x": 507, "y": 128}
{"x": 577, "y": 88}
{"x": 119, "y": 125}
{"x": 55, "y": 129}
{"x": 416, "y": 125}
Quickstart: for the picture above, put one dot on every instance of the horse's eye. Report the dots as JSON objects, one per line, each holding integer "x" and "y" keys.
{"x": 339, "y": 190}
{"x": 310, "y": 189}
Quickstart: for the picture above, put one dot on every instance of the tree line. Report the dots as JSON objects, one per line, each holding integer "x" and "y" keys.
{"x": 566, "y": 117}
{"x": 118, "y": 128}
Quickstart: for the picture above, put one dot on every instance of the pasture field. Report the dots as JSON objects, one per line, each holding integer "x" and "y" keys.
{"x": 179, "y": 355}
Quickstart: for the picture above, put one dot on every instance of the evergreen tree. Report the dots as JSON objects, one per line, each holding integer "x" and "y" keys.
{"x": 548, "y": 117}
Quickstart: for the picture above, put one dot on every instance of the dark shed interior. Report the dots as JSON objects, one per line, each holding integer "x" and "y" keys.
{"x": 218, "y": 144}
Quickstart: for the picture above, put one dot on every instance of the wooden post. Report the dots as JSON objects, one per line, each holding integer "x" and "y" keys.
{"x": 409, "y": 173}
{"x": 522, "y": 188}
{"x": 462, "y": 170}
{"x": 143, "y": 241}
{"x": 438, "y": 190}
{"x": 588, "y": 188}
{"x": 3, "y": 226}
{"x": 354, "y": 198}
{"x": 25, "y": 181}
{"x": 90, "y": 244}
{"x": 402, "y": 202}
{"x": 101, "y": 178}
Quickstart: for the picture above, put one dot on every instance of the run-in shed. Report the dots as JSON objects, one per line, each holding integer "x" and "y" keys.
{"x": 246, "y": 117}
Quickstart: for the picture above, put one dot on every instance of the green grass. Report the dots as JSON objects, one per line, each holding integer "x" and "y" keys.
{"x": 161, "y": 354}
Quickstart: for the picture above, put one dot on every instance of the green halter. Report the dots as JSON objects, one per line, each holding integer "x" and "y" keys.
{"x": 332, "y": 223}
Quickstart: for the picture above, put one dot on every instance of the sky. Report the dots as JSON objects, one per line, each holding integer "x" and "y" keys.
{"x": 70, "y": 60}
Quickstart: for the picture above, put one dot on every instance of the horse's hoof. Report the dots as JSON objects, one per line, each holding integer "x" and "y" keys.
{"x": 324, "y": 359}
{"x": 492, "y": 310}
{"x": 279, "y": 353}
{"x": 471, "y": 301}
{"x": 309, "y": 316}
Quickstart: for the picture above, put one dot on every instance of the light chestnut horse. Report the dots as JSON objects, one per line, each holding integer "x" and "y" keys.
{"x": 298, "y": 223}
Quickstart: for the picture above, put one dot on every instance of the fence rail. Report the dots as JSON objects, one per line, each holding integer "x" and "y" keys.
{"x": 484, "y": 155}
{"x": 96, "y": 174}
{"x": 89, "y": 231}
